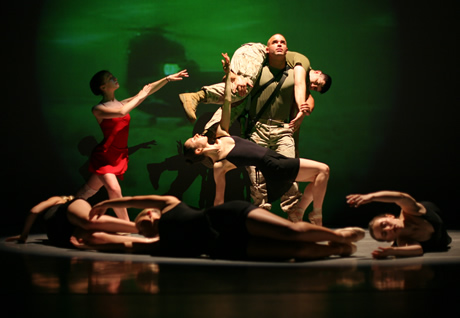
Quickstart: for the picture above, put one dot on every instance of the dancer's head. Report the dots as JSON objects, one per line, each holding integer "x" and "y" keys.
{"x": 101, "y": 80}
{"x": 147, "y": 222}
{"x": 385, "y": 227}
{"x": 193, "y": 149}
{"x": 277, "y": 46}
{"x": 319, "y": 81}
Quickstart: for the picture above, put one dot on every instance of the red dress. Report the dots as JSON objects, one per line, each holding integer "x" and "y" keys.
{"x": 111, "y": 155}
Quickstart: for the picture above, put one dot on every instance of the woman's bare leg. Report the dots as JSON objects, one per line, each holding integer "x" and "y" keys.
{"x": 263, "y": 224}
{"x": 317, "y": 174}
{"x": 110, "y": 182}
{"x": 78, "y": 214}
{"x": 281, "y": 250}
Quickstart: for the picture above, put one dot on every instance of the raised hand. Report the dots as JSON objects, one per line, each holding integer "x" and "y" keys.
{"x": 226, "y": 63}
{"x": 355, "y": 200}
{"x": 178, "y": 76}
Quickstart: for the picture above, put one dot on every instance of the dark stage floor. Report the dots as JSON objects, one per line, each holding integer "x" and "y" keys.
{"x": 39, "y": 280}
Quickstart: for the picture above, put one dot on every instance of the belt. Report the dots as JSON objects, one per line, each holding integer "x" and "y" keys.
{"x": 273, "y": 122}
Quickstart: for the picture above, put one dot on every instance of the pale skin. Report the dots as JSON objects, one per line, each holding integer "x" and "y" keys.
{"x": 309, "y": 171}
{"x": 96, "y": 231}
{"x": 110, "y": 107}
{"x": 271, "y": 235}
{"x": 407, "y": 230}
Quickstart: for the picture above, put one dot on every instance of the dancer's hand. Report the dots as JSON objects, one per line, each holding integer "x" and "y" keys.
{"x": 305, "y": 108}
{"x": 16, "y": 238}
{"x": 178, "y": 76}
{"x": 98, "y": 210}
{"x": 80, "y": 244}
{"x": 382, "y": 252}
{"x": 240, "y": 85}
{"x": 355, "y": 200}
{"x": 296, "y": 122}
{"x": 226, "y": 63}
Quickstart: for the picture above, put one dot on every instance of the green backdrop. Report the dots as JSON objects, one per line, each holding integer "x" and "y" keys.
{"x": 142, "y": 41}
{"x": 388, "y": 122}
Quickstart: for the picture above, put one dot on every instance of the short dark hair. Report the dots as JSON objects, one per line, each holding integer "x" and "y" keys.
{"x": 96, "y": 81}
{"x": 327, "y": 85}
{"x": 371, "y": 227}
{"x": 191, "y": 157}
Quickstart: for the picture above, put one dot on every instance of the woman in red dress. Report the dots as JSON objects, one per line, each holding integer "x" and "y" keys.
{"x": 109, "y": 159}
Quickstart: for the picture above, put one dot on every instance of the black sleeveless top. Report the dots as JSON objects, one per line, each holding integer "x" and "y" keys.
{"x": 440, "y": 239}
{"x": 58, "y": 227}
{"x": 279, "y": 171}
{"x": 218, "y": 232}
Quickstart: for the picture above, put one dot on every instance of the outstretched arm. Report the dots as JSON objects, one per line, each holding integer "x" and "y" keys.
{"x": 226, "y": 107}
{"x": 101, "y": 111}
{"x": 32, "y": 216}
{"x": 404, "y": 200}
{"x": 401, "y": 251}
{"x": 163, "y": 203}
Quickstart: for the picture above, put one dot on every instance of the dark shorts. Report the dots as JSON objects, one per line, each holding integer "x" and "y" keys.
{"x": 229, "y": 221}
{"x": 280, "y": 173}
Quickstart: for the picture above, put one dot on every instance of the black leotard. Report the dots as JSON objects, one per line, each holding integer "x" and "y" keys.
{"x": 219, "y": 231}
{"x": 439, "y": 240}
{"x": 58, "y": 227}
{"x": 279, "y": 171}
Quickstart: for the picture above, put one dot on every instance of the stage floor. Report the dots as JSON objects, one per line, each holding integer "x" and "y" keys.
{"x": 39, "y": 280}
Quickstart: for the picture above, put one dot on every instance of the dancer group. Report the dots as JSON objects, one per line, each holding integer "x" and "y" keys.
{"x": 269, "y": 88}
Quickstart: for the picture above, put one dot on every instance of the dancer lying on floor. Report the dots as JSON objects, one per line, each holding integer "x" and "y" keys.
{"x": 416, "y": 230}
{"x": 233, "y": 230}
{"x": 230, "y": 152}
{"x": 66, "y": 216}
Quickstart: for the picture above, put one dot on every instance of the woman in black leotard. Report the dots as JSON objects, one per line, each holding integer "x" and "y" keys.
{"x": 416, "y": 230}
{"x": 279, "y": 171}
{"x": 66, "y": 216}
{"x": 233, "y": 230}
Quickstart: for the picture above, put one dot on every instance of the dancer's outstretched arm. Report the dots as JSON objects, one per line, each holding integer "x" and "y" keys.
{"x": 224, "y": 125}
{"x": 402, "y": 251}
{"x": 101, "y": 111}
{"x": 407, "y": 203}
{"x": 32, "y": 216}
{"x": 161, "y": 202}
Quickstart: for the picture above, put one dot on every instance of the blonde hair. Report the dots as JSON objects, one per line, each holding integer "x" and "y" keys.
{"x": 67, "y": 198}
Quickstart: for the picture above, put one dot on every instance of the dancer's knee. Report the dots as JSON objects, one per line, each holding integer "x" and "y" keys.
{"x": 324, "y": 171}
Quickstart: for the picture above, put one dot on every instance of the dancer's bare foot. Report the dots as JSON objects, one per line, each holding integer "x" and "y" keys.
{"x": 344, "y": 249}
